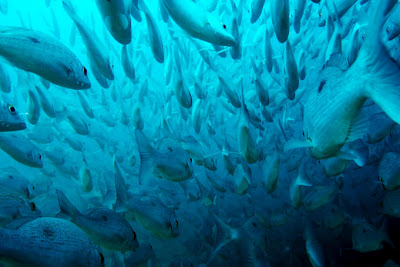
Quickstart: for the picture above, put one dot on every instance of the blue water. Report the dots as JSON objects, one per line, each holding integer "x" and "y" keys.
{"x": 225, "y": 207}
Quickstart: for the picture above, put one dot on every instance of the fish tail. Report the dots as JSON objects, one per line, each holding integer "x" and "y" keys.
{"x": 225, "y": 234}
{"x": 382, "y": 72}
{"x": 146, "y": 151}
{"x": 66, "y": 207}
{"x": 68, "y": 7}
{"x": 120, "y": 188}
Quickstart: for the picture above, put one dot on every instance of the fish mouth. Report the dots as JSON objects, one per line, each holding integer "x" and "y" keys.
{"x": 84, "y": 85}
{"x": 227, "y": 40}
{"x": 20, "y": 126}
{"x": 14, "y": 127}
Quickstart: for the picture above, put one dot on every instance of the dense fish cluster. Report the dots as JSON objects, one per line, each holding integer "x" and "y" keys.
{"x": 200, "y": 133}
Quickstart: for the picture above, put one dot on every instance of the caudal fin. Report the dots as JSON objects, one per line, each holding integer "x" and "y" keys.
{"x": 146, "y": 152}
{"x": 66, "y": 207}
{"x": 120, "y": 187}
{"x": 382, "y": 72}
{"x": 68, "y": 7}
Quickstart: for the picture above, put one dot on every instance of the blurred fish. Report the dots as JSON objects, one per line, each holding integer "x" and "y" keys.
{"x": 172, "y": 163}
{"x": 280, "y": 19}
{"x": 256, "y": 10}
{"x": 271, "y": 172}
{"x": 116, "y": 17}
{"x": 389, "y": 171}
{"x": 390, "y": 203}
{"x": 21, "y": 149}
{"x": 5, "y": 81}
{"x": 78, "y": 123}
{"x": 4, "y": 7}
{"x": 198, "y": 22}
{"x": 43, "y": 55}
{"x": 295, "y": 190}
{"x": 393, "y": 23}
{"x": 140, "y": 257}
{"x": 33, "y": 107}
{"x": 96, "y": 50}
{"x": 14, "y": 205}
{"x": 104, "y": 226}
{"x": 127, "y": 63}
{"x": 367, "y": 238}
{"x": 46, "y": 102}
{"x": 11, "y": 178}
{"x": 155, "y": 36}
{"x": 299, "y": 10}
{"x": 150, "y": 212}
{"x": 319, "y": 195}
{"x": 314, "y": 248}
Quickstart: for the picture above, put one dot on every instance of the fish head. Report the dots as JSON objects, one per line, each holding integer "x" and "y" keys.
{"x": 110, "y": 68}
{"x": 10, "y": 120}
{"x": 220, "y": 33}
{"x": 174, "y": 226}
{"x": 391, "y": 31}
{"x": 322, "y": 14}
{"x": 77, "y": 75}
{"x": 131, "y": 240}
{"x": 37, "y": 159}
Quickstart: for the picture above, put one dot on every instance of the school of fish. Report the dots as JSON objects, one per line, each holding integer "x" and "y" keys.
{"x": 200, "y": 133}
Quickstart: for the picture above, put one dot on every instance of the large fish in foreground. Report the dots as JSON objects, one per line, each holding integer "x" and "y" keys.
{"x": 43, "y": 55}
{"x": 198, "y": 22}
{"x": 332, "y": 113}
{"x": 46, "y": 241}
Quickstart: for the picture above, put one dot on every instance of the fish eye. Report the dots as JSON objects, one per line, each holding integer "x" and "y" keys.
{"x": 224, "y": 26}
{"x": 101, "y": 258}
{"x": 40, "y": 157}
{"x": 303, "y": 133}
{"x": 191, "y": 160}
{"x": 84, "y": 71}
{"x": 176, "y": 223}
{"x": 11, "y": 109}
{"x": 33, "y": 206}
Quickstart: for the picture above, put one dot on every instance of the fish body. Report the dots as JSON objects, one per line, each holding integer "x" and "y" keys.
{"x": 330, "y": 114}
{"x": 44, "y": 241}
{"x": 43, "y": 55}
{"x": 96, "y": 50}
{"x": 198, "y": 22}
{"x": 104, "y": 226}
{"x": 21, "y": 149}
{"x": 117, "y": 18}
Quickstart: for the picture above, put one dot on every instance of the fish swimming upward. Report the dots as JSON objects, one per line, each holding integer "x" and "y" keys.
{"x": 332, "y": 113}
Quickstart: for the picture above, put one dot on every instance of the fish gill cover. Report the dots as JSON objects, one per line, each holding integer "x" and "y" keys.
{"x": 200, "y": 133}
